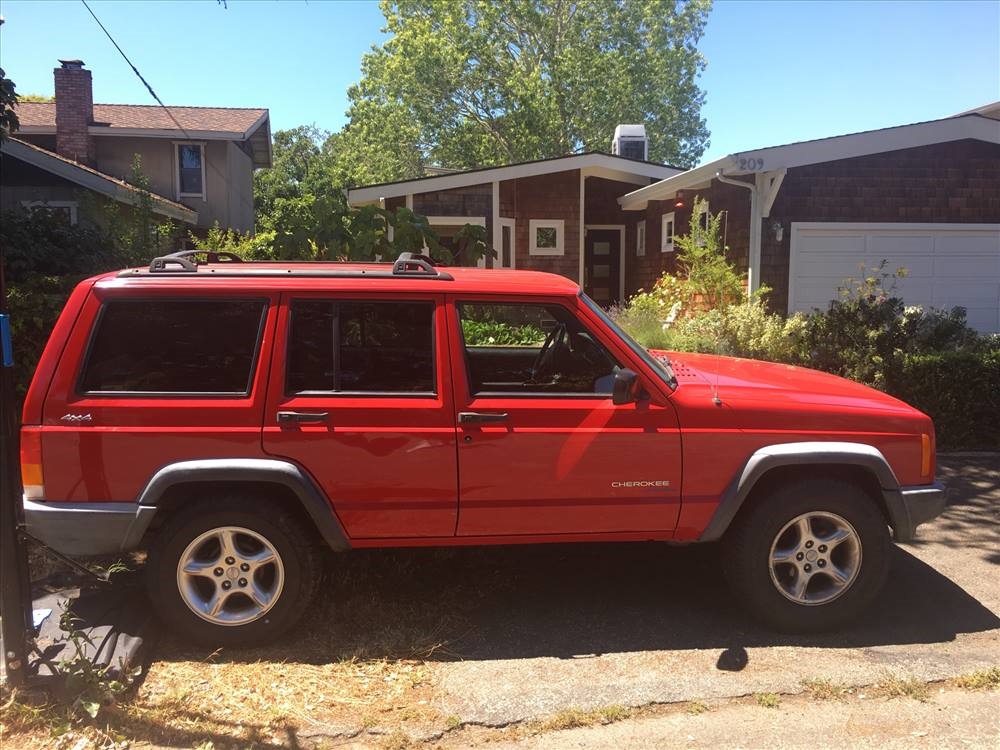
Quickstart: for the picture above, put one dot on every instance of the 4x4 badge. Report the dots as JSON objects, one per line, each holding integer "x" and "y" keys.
{"x": 76, "y": 418}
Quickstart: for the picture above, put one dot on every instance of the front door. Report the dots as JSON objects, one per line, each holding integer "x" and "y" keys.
{"x": 602, "y": 266}
{"x": 542, "y": 449}
{"x": 360, "y": 396}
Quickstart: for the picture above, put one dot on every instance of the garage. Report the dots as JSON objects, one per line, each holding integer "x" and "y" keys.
{"x": 947, "y": 264}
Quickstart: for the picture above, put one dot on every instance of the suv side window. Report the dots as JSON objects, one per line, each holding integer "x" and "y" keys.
{"x": 532, "y": 348}
{"x": 174, "y": 345}
{"x": 360, "y": 347}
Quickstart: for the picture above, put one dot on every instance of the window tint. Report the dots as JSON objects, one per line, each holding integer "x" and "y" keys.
{"x": 514, "y": 348}
{"x": 174, "y": 346}
{"x": 361, "y": 346}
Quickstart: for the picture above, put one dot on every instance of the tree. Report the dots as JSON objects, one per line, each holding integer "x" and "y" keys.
{"x": 8, "y": 100}
{"x": 475, "y": 83}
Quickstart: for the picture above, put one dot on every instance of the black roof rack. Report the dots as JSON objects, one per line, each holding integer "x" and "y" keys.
{"x": 407, "y": 265}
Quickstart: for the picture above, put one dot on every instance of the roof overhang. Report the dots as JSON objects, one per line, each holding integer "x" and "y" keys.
{"x": 593, "y": 164}
{"x": 94, "y": 180}
{"x": 777, "y": 158}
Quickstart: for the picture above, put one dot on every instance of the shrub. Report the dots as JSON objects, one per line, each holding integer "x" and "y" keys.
{"x": 496, "y": 333}
{"x": 960, "y": 391}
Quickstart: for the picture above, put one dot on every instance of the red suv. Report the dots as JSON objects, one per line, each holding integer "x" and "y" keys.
{"x": 238, "y": 418}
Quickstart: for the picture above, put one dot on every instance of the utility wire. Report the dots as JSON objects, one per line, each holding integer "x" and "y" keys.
{"x": 135, "y": 69}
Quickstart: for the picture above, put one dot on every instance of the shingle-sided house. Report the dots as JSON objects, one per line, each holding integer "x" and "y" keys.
{"x": 199, "y": 160}
{"x": 798, "y": 218}
{"x": 559, "y": 215}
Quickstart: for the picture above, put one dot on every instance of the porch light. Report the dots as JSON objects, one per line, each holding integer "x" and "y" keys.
{"x": 778, "y": 229}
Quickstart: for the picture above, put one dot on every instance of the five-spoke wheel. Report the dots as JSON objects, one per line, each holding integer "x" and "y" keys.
{"x": 815, "y": 558}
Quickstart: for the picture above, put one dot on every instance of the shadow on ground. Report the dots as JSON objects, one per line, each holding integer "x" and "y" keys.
{"x": 572, "y": 600}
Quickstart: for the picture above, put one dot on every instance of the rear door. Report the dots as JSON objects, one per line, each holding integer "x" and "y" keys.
{"x": 360, "y": 396}
{"x": 542, "y": 448}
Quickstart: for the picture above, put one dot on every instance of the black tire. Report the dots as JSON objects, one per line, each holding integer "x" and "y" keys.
{"x": 296, "y": 550}
{"x": 747, "y": 552}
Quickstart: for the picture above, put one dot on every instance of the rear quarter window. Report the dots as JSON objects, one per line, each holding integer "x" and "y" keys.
{"x": 174, "y": 346}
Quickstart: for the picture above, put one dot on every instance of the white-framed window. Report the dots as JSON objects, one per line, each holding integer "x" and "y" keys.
{"x": 667, "y": 233}
{"x": 545, "y": 236}
{"x": 505, "y": 253}
{"x": 640, "y": 238}
{"x": 190, "y": 159}
{"x": 68, "y": 208}
{"x": 703, "y": 219}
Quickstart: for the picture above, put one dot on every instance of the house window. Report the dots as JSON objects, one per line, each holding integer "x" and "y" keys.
{"x": 640, "y": 238}
{"x": 64, "y": 208}
{"x": 546, "y": 236}
{"x": 190, "y": 170}
{"x": 667, "y": 233}
{"x": 704, "y": 218}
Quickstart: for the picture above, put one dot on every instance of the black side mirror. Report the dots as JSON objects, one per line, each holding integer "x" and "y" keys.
{"x": 626, "y": 387}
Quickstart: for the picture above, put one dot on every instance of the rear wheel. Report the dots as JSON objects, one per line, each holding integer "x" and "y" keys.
{"x": 809, "y": 556}
{"x": 236, "y": 573}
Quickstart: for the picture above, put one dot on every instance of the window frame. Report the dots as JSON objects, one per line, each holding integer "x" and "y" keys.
{"x": 246, "y": 394}
{"x": 559, "y": 225}
{"x": 548, "y": 303}
{"x": 73, "y": 207}
{"x": 286, "y": 393}
{"x": 640, "y": 238}
{"x": 665, "y": 220}
{"x": 177, "y": 169}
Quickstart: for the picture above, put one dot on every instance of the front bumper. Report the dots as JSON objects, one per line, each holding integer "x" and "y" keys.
{"x": 88, "y": 528}
{"x": 911, "y": 506}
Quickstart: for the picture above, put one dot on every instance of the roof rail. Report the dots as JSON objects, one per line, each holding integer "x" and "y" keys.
{"x": 408, "y": 265}
{"x": 163, "y": 263}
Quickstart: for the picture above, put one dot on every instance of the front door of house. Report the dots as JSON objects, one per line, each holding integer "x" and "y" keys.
{"x": 602, "y": 266}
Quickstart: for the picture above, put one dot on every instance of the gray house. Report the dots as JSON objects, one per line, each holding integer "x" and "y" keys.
{"x": 199, "y": 160}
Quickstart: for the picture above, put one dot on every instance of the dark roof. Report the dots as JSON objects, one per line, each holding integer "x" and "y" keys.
{"x": 149, "y": 117}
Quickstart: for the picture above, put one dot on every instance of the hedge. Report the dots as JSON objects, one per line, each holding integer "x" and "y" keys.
{"x": 960, "y": 391}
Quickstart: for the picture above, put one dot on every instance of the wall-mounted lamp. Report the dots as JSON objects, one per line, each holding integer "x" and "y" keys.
{"x": 679, "y": 202}
{"x": 779, "y": 230}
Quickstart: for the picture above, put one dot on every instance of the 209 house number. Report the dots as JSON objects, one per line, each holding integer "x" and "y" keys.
{"x": 751, "y": 164}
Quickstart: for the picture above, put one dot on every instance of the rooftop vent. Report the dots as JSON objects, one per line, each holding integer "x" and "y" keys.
{"x": 630, "y": 141}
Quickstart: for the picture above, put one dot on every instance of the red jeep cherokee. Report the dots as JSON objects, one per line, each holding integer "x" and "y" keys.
{"x": 235, "y": 418}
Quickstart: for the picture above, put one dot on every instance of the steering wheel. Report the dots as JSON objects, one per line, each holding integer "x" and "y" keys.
{"x": 552, "y": 342}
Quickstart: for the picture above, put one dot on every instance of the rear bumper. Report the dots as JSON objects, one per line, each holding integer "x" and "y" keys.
{"x": 912, "y": 506}
{"x": 88, "y": 528}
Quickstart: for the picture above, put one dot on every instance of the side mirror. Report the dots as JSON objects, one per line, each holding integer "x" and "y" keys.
{"x": 626, "y": 387}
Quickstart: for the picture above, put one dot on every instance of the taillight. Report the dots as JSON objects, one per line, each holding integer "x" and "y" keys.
{"x": 31, "y": 464}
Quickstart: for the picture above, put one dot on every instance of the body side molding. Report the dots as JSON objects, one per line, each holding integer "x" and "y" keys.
{"x": 285, "y": 473}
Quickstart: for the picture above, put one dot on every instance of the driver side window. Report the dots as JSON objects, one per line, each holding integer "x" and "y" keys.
{"x": 515, "y": 348}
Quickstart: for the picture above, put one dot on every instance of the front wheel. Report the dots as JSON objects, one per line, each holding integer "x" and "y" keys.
{"x": 809, "y": 556}
{"x": 233, "y": 573}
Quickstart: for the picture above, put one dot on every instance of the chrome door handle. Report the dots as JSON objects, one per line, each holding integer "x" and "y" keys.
{"x": 475, "y": 417}
{"x": 298, "y": 417}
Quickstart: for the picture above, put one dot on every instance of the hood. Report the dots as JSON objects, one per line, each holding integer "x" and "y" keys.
{"x": 749, "y": 380}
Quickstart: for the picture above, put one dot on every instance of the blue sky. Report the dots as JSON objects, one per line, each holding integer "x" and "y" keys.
{"x": 777, "y": 71}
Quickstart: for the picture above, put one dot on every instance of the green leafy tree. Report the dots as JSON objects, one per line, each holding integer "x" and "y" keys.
{"x": 475, "y": 82}
{"x": 8, "y": 100}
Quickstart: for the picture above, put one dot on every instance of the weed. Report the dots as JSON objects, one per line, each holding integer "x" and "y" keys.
{"x": 611, "y": 714}
{"x": 768, "y": 700}
{"x": 893, "y": 686}
{"x": 453, "y": 722}
{"x": 824, "y": 690}
{"x": 397, "y": 740}
{"x": 696, "y": 707}
{"x": 981, "y": 679}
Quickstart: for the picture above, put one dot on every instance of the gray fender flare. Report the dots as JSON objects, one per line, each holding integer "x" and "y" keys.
{"x": 809, "y": 454}
{"x": 274, "y": 471}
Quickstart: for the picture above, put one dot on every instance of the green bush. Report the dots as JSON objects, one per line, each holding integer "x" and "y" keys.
{"x": 960, "y": 391}
{"x": 496, "y": 333}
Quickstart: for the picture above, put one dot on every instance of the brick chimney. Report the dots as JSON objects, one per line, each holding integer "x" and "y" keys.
{"x": 74, "y": 112}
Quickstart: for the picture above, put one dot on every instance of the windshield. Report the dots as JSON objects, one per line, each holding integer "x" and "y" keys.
{"x": 659, "y": 364}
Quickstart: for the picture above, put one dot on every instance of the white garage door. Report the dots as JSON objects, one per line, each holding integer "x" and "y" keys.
{"x": 947, "y": 264}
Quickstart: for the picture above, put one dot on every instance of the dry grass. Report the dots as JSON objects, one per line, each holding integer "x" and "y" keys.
{"x": 825, "y": 690}
{"x": 572, "y": 718}
{"x": 894, "y": 686}
{"x": 695, "y": 708}
{"x": 768, "y": 700}
{"x": 981, "y": 679}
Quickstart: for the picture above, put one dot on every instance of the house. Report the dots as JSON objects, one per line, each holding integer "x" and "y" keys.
{"x": 798, "y": 218}
{"x": 199, "y": 160}
{"x": 802, "y": 217}
{"x": 559, "y": 215}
